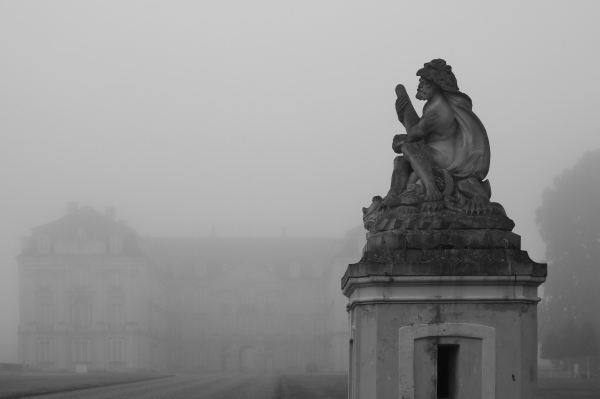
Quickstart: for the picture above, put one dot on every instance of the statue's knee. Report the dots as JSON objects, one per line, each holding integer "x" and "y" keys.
{"x": 399, "y": 162}
{"x": 409, "y": 149}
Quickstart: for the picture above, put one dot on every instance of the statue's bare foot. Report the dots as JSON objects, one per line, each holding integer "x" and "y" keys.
{"x": 371, "y": 213}
{"x": 432, "y": 206}
{"x": 477, "y": 206}
{"x": 433, "y": 194}
{"x": 387, "y": 200}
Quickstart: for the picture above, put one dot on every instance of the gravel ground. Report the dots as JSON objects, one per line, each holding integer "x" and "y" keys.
{"x": 288, "y": 386}
{"x": 215, "y": 386}
{"x": 562, "y": 388}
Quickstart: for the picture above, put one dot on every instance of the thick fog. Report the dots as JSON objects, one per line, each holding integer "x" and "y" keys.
{"x": 250, "y": 116}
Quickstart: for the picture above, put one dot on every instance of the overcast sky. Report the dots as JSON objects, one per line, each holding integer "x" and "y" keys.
{"x": 254, "y": 115}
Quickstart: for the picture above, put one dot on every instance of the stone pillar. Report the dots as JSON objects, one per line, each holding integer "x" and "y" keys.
{"x": 443, "y": 314}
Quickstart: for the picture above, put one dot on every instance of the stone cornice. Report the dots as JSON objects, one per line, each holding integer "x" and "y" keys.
{"x": 442, "y": 289}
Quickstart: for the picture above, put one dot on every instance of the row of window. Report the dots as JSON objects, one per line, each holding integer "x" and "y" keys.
{"x": 294, "y": 325}
{"x": 80, "y": 314}
{"x": 44, "y": 245}
{"x": 81, "y": 350}
{"x": 213, "y": 298}
{"x": 294, "y": 269}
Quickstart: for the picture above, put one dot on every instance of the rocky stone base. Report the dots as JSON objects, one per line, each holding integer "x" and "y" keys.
{"x": 465, "y": 252}
{"x": 445, "y": 219}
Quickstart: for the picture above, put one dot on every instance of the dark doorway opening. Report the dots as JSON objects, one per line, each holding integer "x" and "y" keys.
{"x": 446, "y": 371}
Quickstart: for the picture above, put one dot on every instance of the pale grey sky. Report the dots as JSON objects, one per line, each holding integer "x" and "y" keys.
{"x": 252, "y": 115}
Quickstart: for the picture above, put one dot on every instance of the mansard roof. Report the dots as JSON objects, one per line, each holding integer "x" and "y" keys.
{"x": 89, "y": 224}
{"x": 217, "y": 254}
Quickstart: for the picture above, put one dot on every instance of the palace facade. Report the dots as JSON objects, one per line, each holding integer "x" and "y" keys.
{"x": 95, "y": 295}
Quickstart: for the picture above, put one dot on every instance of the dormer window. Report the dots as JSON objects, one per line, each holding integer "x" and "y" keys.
{"x": 115, "y": 244}
{"x": 43, "y": 244}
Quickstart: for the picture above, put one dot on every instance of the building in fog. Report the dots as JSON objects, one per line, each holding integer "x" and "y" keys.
{"x": 95, "y": 295}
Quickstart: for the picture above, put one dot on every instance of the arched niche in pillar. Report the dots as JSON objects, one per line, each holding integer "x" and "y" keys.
{"x": 455, "y": 350}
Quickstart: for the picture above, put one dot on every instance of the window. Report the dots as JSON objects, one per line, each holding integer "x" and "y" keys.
{"x": 117, "y": 315}
{"x": 81, "y": 350}
{"x": 115, "y": 245}
{"x": 43, "y": 244}
{"x": 45, "y": 320}
{"x": 247, "y": 324}
{"x": 45, "y": 351}
{"x": 115, "y": 281}
{"x": 81, "y": 312}
{"x": 226, "y": 320}
{"x": 293, "y": 356}
{"x": 117, "y": 350}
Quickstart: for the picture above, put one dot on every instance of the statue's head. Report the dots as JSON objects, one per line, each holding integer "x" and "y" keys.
{"x": 435, "y": 75}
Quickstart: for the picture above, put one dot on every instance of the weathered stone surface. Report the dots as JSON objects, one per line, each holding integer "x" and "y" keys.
{"x": 445, "y": 262}
{"x": 442, "y": 239}
{"x": 394, "y": 219}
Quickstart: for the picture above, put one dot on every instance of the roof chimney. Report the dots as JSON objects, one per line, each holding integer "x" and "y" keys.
{"x": 111, "y": 212}
{"x": 71, "y": 207}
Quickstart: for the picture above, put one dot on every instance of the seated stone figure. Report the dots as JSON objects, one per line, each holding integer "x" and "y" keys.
{"x": 445, "y": 153}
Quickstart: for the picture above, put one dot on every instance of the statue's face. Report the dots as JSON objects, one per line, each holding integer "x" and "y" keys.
{"x": 426, "y": 89}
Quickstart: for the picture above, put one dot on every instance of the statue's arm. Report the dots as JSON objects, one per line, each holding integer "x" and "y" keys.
{"x": 410, "y": 117}
{"x": 425, "y": 126}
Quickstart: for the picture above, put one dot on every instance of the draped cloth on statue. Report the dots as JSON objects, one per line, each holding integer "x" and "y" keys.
{"x": 472, "y": 156}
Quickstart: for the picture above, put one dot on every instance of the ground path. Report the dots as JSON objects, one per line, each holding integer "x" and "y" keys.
{"x": 220, "y": 386}
{"x": 287, "y": 386}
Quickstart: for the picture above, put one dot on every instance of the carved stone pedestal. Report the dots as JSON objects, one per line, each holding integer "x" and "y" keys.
{"x": 443, "y": 314}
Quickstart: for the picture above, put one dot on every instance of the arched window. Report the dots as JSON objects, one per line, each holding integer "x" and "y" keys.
{"x": 43, "y": 244}
{"x": 81, "y": 311}
{"x": 115, "y": 244}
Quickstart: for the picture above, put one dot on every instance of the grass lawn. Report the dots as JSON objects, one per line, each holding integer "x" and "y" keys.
{"x": 30, "y": 384}
{"x": 563, "y": 388}
{"x": 302, "y": 386}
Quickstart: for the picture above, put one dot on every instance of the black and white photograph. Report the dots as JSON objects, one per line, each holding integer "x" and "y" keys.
{"x": 276, "y": 199}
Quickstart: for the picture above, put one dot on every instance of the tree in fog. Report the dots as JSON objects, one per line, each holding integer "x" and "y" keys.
{"x": 570, "y": 340}
{"x": 569, "y": 224}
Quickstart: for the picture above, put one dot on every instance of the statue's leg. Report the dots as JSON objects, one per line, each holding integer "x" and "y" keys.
{"x": 400, "y": 176}
{"x": 420, "y": 155}
{"x": 477, "y": 197}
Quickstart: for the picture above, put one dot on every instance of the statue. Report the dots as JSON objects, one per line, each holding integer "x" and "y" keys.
{"x": 439, "y": 178}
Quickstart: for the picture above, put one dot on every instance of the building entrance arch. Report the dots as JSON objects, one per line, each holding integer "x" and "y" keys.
{"x": 248, "y": 359}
